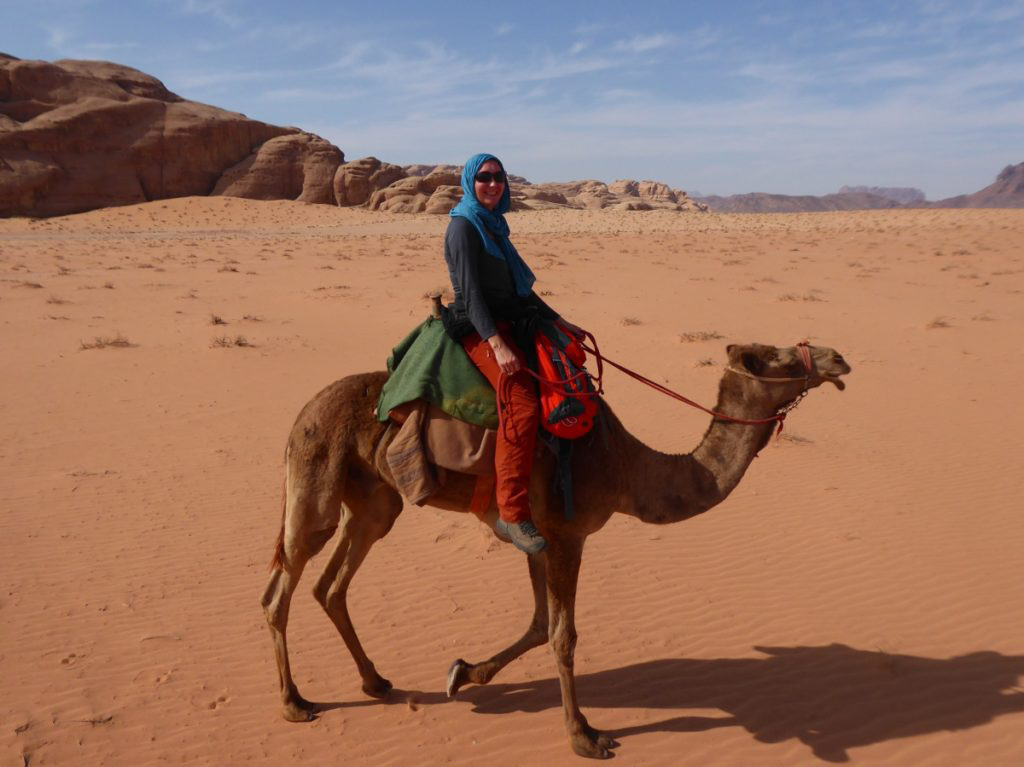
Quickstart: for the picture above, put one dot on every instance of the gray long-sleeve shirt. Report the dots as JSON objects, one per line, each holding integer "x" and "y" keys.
{"x": 484, "y": 290}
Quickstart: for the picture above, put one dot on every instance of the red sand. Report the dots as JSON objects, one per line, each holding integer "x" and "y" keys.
{"x": 858, "y": 596}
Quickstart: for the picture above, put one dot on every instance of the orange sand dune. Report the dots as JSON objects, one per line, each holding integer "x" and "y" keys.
{"x": 857, "y": 598}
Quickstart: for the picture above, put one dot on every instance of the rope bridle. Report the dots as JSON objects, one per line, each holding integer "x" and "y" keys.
{"x": 803, "y": 349}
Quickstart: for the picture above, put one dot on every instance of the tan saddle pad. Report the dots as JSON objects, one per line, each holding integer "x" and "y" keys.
{"x": 429, "y": 437}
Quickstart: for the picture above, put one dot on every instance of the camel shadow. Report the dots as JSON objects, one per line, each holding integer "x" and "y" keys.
{"x": 831, "y": 698}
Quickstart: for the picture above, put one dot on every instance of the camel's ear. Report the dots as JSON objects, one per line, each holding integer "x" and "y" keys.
{"x": 753, "y": 363}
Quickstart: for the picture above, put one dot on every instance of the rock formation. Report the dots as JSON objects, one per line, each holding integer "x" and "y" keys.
{"x": 296, "y": 166}
{"x": 1007, "y": 191}
{"x": 596, "y": 195}
{"x": 437, "y": 192}
{"x": 761, "y": 202}
{"x": 355, "y": 182}
{"x": 904, "y": 195}
{"x": 79, "y": 135}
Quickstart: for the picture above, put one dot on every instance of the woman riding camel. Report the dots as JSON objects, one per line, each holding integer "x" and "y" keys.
{"x": 490, "y": 317}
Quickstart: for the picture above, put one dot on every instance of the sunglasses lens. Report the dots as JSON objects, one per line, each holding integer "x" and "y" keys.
{"x": 487, "y": 177}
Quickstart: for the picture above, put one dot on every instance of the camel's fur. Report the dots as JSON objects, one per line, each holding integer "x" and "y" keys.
{"x": 336, "y": 480}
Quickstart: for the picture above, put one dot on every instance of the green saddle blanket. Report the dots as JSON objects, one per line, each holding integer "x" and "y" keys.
{"x": 429, "y": 365}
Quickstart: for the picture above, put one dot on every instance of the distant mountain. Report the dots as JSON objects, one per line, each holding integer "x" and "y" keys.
{"x": 901, "y": 194}
{"x": 1006, "y": 192}
{"x": 761, "y": 202}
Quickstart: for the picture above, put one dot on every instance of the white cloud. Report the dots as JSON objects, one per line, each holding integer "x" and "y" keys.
{"x": 215, "y": 9}
{"x": 644, "y": 43}
{"x": 58, "y": 38}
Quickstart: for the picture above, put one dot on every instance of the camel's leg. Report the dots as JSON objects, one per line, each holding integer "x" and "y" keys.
{"x": 298, "y": 545}
{"x": 367, "y": 517}
{"x": 563, "y": 568}
{"x": 536, "y": 634}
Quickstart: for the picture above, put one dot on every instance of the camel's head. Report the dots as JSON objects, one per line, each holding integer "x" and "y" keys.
{"x": 789, "y": 365}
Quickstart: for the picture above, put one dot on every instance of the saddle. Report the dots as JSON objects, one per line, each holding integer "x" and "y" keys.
{"x": 429, "y": 439}
{"x": 446, "y": 414}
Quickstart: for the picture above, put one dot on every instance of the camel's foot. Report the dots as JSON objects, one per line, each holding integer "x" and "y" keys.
{"x": 298, "y": 709}
{"x": 377, "y": 686}
{"x": 592, "y": 743}
{"x": 584, "y": 745}
{"x": 458, "y": 675}
{"x": 602, "y": 739}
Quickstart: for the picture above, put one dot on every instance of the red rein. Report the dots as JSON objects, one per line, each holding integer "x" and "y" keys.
{"x": 803, "y": 347}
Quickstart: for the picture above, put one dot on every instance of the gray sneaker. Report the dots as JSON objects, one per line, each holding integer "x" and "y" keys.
{"x": 523, "y": 534}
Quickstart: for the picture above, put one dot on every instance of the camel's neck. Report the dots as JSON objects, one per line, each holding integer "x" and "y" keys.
{"x": 669, "y": 488}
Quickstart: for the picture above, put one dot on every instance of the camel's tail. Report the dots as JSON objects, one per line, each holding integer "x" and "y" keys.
{"x": 277, "y": 561}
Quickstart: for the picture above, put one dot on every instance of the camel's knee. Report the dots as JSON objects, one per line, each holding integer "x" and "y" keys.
{"x": 333, "y": 598}
{"x": 274, "y": 599}
{"x": 271, "y": 589}
{"x": 330, "y": 591}
{"x": 321, "y": 589}
{"x": 563, "y": 645}
{"x": 538, "y": 632}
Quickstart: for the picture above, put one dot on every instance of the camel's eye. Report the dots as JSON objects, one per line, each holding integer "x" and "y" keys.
{"x": 837, "y": 357}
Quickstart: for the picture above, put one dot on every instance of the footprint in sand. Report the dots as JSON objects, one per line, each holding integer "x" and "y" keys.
{"x": 71, "y": 659}
{"x": 222, "y": 700}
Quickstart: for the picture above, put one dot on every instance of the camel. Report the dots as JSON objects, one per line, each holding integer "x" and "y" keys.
{"x": 336, "y": 481}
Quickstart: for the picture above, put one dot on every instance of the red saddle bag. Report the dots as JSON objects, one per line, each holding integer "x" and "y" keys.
{"x": 568, "y": 399}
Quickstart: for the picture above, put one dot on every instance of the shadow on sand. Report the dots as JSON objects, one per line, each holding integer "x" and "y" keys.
{"x": 831, "y": 698}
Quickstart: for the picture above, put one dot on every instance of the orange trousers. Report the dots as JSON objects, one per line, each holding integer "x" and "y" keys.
{"x": 518, "y": 411}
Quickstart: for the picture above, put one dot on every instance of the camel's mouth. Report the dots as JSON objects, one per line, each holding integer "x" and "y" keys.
{"x": 836, "y": 380}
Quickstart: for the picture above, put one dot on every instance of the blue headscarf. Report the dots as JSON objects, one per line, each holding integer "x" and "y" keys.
{"x": 492, "y": 222}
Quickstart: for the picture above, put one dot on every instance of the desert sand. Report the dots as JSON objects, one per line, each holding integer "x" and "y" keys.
{"x": 856, "y": 599}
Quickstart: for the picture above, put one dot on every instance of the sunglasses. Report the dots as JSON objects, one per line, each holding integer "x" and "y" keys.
{"x": 486, "y": 177}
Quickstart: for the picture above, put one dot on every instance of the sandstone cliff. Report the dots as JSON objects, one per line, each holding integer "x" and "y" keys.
{"x": 79, "y": 135}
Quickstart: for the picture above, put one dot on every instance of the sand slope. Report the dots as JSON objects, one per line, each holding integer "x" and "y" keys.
{"x": 857, "y": 598}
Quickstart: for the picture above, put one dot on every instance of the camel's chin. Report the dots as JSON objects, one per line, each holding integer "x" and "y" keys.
{"x": 836, "y": 381}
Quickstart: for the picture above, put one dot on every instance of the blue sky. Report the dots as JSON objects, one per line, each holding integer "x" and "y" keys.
{"x": 790, "y": 97}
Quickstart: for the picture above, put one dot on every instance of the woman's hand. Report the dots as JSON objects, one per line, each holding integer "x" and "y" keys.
{"x": 507, "y": 359}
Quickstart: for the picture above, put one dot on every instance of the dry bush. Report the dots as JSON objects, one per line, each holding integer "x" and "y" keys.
{"x": 705, "y": 362}
{"x": 104, "y": 342}
{"x": 56, "y": 300}
{"x": 939, "y": 322}
{"x": 627, "y": 321}
{"x": 216, "y": 319}
{"x": 795, "y": 439}
{"x": 699, "y": 335}
{"x": 804, "y": 297}
{"x": 27, "y": 284}
{"x": 227, "y": 341}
